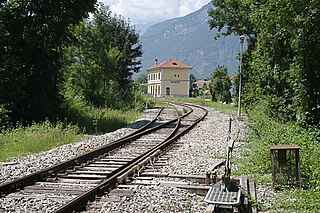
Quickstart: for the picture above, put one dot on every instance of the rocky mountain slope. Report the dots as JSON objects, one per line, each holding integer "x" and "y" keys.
{"x": 190, "y": 40}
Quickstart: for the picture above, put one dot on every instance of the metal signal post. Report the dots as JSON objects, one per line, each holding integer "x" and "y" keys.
{"x": 240, "y": 75}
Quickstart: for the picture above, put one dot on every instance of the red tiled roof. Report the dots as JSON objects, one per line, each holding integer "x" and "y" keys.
{"x": 170, "y": 63}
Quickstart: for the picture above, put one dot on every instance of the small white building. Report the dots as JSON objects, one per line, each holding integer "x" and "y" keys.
{"x": 169, "y": 78}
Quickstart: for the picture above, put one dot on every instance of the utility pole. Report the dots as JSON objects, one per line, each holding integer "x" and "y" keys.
{"x": 240, "y": 75}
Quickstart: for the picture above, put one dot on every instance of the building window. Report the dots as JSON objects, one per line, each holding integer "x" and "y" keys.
{"x": 168, "y": 91}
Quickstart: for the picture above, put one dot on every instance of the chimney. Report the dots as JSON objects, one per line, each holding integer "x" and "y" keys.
{"x": 155, "y": 62}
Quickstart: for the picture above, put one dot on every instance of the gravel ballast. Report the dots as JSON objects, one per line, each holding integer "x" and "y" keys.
{"x": 202, "y": 146}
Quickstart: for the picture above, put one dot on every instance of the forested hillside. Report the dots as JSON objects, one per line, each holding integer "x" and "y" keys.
{"x": 55, "y": 63}
{"x": 190, "y": 40}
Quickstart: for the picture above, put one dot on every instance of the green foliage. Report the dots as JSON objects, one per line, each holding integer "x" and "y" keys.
{"x": 36, "y": 138}
{"x": 32, "y": 33}
{"x": 99, "y": 63}
{"x": 195, "y": 92}
{"x": 143, "y": 78}
{"x": 264, "y": 132}
{"x": 40, "y": 137}
{"x": 297, "y": 201}
{"x": 220, "y": 85}
{"x": 4, "y": 118}
{"x": 280, "y": 64}
{"x": 204, "y": 93}
{"x": 192, "y": 92}
{"x": 93, "y": 120}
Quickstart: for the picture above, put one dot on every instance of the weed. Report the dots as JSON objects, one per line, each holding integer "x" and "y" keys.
{"x": 264, "y": 132}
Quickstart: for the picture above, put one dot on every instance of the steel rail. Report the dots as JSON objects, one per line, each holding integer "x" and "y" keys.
{"x": 80, "y": 202}
{"x": 22, "y": 182}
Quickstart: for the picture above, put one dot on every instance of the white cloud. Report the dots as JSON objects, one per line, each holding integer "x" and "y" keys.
{"x": 151, "y": 11}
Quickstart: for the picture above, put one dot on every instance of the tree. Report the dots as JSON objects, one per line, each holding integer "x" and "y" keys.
{"x": 193, "y": 79}
{"x": 32, "y": 33}
{"x": 100, "y": 62}
{"x": 279, "y": 65}
{"x": 142, "y": 81}
{"x": 220, "y": 85}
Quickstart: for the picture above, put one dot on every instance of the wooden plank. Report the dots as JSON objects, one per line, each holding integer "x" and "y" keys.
{"x": 284, "y": 147}
{"x": 41, "y": 196}
{"x": 62, "y": 192}
{"x": 154, "y": 174}
{"x": 117, "y": 158}
{"x": 161, "y": 161}
{"x": 192, "y": 178}
{"x": 90, "y": 172}
{"x": 122, "y": 192}
{"x": 244, "y": 189}
{"x": 100, "y": 168}
{"x": 63, "y": 184}
{"x": 199, "y": 190}
{"x": 144, "y": 178}
{"x": 67, "y": 180}
{"x": 253, "y": 194}
{"x": 111, "y": 162}
{"x": 80, "y": 176}
{"x": 44, "y": 188}
{"x": 126, "y": 160}
{"x": 252, "y": 189}
{"x": 106, "y": 163}
{"x": 127, "y": 186}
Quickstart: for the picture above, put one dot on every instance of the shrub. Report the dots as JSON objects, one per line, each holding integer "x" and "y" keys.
{"x": 264, "y": 132}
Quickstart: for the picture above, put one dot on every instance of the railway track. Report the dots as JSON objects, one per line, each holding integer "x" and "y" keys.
{"x": 70, "y": 185}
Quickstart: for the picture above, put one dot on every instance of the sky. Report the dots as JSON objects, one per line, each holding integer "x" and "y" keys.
{"x": 153, "y": 11}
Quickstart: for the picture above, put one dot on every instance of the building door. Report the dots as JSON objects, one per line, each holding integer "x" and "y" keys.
{"x": 168, "y": 91}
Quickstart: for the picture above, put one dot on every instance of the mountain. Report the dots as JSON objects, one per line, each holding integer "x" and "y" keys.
{"x": 190, "y": 40}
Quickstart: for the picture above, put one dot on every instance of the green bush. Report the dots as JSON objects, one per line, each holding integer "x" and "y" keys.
{"x": 262, "y": 133}
{"x": 4, "y": 118}
{"x": 93, "y": 120}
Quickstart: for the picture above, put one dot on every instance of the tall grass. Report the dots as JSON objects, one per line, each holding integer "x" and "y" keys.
{"x": 36, "y": 138}
{"x": 40, "y": 137}
{"x": 106, "y": 120}
{"x": 264, "y": 132}
{"x": 92, "y": 120}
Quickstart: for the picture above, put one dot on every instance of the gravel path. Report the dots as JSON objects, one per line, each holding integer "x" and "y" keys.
{"x": 204, "y": 145}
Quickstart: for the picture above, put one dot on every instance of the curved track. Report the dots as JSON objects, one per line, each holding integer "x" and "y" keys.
{"x": 75, "y": 182}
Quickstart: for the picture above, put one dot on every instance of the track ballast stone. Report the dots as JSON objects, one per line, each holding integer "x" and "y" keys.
{"x": 201, "y": 147}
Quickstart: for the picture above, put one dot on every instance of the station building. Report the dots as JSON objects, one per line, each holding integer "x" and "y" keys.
{"x": 169, "y": 78}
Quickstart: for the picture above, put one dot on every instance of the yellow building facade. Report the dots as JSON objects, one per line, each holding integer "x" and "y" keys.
{"x": 169, "y": 78}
